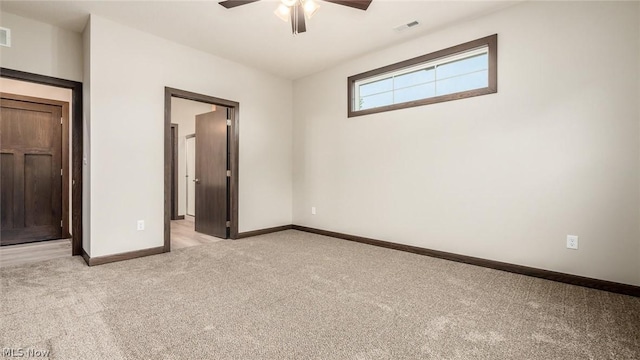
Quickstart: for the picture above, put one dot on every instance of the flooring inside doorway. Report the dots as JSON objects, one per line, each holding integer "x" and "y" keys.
{"x": 183, "y": 235}
{"x": 34, "y": 252}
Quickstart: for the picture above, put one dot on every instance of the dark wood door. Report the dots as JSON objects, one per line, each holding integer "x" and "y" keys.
{"x": 30, "y": 172}
{"x": 174, "y": 172}
{"x": 211, "y": 173}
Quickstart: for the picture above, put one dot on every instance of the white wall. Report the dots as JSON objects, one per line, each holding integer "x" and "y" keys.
{"x": 86, "y": 129}
{"x": 44, "y": 92}
{"x": 183, "y": 113}
{"x": 41, "y": 48}
{"x": 504, "y": 176}
{"x": 128, "y": 77}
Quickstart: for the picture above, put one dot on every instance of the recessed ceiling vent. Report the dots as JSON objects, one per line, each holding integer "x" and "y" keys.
{"x": 5, "y": 37}
{"x": 406, "y": 26}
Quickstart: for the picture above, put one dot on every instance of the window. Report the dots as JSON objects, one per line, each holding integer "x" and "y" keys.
{"x": 458, "y": 72}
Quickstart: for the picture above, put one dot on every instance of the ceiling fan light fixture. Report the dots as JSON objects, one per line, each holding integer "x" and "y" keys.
{"x": 296, "y": 12}
{"x": 310, "y": 7}
{"x": 283, "y": 12}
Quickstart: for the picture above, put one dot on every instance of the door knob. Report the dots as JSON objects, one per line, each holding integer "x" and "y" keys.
{"x": 197, "y": 181}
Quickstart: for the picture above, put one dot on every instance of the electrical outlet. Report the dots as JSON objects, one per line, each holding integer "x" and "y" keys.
{"x": 313, "y": 210}
{"x": 572, "y": 242}
{"x": 140, "y": 225}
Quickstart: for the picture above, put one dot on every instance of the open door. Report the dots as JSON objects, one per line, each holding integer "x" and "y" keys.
{"x": 190, "y": 153}
{"x": 211, "y": 173}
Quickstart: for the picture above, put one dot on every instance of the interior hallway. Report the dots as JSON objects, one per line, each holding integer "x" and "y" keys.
{"x": 183, "y": 235}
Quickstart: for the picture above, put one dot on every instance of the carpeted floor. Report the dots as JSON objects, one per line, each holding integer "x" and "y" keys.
{"x": 293, "y": 295}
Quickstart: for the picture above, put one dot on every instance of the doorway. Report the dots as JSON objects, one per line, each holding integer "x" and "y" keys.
{"x": 190, "y": 170}
{"x": 76, "y": 130}
{"x": 174, "y": 172}
{"x": 34, "y": 169}
{"x": 206, "y": 191}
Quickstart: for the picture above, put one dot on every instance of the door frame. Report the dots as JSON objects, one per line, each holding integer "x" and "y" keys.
{"x": 76, "y": 144}
{"x": 233, "y": 155}
{"x": 174, "y": 173}
{"x": 186, "y": 162}
{"x": 64, "y": 150}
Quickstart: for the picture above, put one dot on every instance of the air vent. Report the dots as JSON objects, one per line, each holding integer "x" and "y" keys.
{"x": 406, "y": 26}
{"x": 5, "y": 37}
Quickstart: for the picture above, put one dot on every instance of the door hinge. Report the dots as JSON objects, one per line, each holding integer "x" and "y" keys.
{"x": 228, "y": 122}
{"x": 228, "y": 223}
{"x": 61, "y": 121}
{"x": 60, "y": 223}
{"x": 228, "y": 173}
{"x": 60, "y": 172}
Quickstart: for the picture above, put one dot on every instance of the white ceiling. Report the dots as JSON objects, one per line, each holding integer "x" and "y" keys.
{"x": 253, "y": 35}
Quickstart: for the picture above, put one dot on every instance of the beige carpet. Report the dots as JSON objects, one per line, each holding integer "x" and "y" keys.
{"x": 293, "y": 295}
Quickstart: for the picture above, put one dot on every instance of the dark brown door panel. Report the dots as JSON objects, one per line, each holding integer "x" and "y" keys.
{"x": 211, "y": 173}
{"x": 30, "y": 167}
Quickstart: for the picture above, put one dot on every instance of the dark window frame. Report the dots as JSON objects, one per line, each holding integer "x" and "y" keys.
{"x": 490, "y": 41}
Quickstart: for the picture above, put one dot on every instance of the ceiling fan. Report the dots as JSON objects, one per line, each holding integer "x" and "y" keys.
{"x": 296, "y": 10}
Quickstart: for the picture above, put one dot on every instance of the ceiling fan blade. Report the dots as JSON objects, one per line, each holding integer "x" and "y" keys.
{"x": 233, "y": 3}
{"x": 357, "y": 4}
{"x": 302, "y": 26}
{"x": 298, "y": 20}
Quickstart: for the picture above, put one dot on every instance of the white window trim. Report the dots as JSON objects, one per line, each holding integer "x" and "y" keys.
{"x": 423, "y": 66}
{"x": 432, "y": 63}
